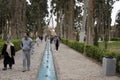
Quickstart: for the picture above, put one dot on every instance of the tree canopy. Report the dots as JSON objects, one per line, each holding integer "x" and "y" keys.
{"x": 73, "y": 17}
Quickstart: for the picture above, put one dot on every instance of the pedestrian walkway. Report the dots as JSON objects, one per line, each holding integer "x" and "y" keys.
{"x": 72, "y": 65}
{"x": 16, "y": 73}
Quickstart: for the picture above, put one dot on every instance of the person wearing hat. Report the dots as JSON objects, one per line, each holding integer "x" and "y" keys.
{"x": 8, "y": 53}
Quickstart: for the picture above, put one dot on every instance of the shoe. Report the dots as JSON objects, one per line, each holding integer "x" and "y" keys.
{"x": 23, "y": 70}
{"x": 4, "y": 69}
{"x": 10, "y": 67}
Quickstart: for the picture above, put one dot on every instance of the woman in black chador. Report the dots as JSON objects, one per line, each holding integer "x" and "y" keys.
{"x": 8, "y": 53}
{"x": 56, "y": 40}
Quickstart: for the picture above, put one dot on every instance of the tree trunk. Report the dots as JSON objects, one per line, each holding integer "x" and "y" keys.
{"x": 61, "y": 23}
{"x": 82, "y": 32}
{"x": 40, "y": 30}
{"x": 65, "y": 21}
{"x": 90, "y": 26}
{"x": 18, "y": 20}
{"x": 71, "y": 21}
{"x": 58, "y": 24}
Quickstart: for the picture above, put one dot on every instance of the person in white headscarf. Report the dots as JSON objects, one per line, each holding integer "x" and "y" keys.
{"x": 8, "y": 53}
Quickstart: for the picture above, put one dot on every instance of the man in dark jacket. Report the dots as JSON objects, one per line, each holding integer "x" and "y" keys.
{"x": 8, "y": 53}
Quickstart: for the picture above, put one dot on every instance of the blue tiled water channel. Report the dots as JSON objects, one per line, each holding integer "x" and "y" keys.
{"x": 47, "y": 70}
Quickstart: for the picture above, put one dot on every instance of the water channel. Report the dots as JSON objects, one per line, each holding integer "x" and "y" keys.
{"x": 47, "y": 69}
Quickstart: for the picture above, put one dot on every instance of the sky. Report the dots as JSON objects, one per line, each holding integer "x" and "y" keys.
{"x": 115, "y": 9}
{"x": 52, "y": 20}
{"x": 52, "y": 23}
{"x": 28, "y": 1}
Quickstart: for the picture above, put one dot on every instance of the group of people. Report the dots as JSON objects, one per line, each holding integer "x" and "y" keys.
{"x": 8, "y": 52}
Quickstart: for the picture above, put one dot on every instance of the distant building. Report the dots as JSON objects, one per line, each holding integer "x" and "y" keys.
{"x": 115, "y": 31}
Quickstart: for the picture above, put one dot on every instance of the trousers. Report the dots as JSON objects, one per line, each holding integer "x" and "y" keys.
{"x": 26, "y": 59}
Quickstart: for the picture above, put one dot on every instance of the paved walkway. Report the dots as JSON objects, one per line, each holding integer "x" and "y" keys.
{"x": 70, "y": 65}
{"x": 16, "y": 73}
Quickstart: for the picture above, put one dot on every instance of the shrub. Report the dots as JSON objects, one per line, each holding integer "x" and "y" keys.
{"x": 74, "y": 44}
{"x": 96, "y": 53}
{"x": 115, "y": 39}
{"x": 79, "y": 46}
{"x": 93, "y": 51}
{"x": 117, "y": 56}
{"x": 1, "y": 46}
{"x": 15, "y": 42}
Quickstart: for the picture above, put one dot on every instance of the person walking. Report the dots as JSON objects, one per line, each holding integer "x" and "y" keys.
{"x": 26, "y": 45}
{"x": 56, "y": 40}
{"x": 37, "y": 41}
{"x": 41, "y": 38}
{"x": 8, "y": 53}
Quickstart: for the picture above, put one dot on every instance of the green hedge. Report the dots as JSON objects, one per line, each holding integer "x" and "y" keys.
{"x": 93, "y": 51}
{"x": 74, "y": 44}
{"x": 115, "y": 39}
{"x": 1, "y": 45}
{"x": 96, "y": 53}
{"x": 15, "y": 42}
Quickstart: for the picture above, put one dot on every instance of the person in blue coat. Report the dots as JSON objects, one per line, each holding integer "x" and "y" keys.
{"x": 26, "y": 45}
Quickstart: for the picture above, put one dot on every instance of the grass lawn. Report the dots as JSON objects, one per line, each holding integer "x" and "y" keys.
{"x": 113, "y": 46}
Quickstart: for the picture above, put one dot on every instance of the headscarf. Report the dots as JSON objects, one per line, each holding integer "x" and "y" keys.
{"x": 9, "y": 44}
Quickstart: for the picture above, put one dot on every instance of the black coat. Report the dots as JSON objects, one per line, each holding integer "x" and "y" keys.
{"x": 57, "y": 42}
{"x": 6, "y": 56}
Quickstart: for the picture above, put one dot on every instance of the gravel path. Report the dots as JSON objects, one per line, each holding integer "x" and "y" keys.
{"x": 16, "y": 73}
{"x": 71, "y": 65}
